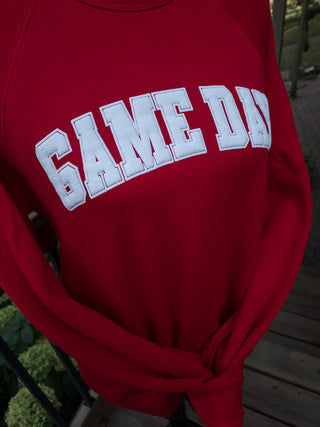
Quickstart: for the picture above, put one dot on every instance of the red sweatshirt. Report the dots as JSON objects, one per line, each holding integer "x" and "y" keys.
{"x": 158, "y": 139}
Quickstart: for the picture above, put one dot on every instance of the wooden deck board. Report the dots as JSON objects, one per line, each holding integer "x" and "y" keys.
{"x": 298, "y": 303}
{"x": 295, "y": 326}
{"x": 255, "y": 419}
{"x": 286, "y": 364}
{"x": 282, "y": 373}
{"x": 304, "y": 298}
{"x": 292, "y": 343}
{"x": 127, "y": 418}
{"x": 281, "y": 401}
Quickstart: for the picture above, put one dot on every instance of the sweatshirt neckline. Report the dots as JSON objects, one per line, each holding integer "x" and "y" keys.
{"x": 126, "y": 5}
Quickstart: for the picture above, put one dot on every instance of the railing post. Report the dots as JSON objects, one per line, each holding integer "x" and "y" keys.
{"x": 301, "y": 42}
{"x": 278, "y": 18}
{"x": 13, "y": 363}
{"x": 74, "y": 375}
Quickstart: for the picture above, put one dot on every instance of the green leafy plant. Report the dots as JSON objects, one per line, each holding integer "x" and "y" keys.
{"x": 16, "y": 330}
{"x": 6, "y": 315}
{"x": 5, "y": 300}
{"x": 19, "y": 334}
{"x": 25, "y": 411}
{"x": 43, "y": 364}
{"x": 38, "y": 357}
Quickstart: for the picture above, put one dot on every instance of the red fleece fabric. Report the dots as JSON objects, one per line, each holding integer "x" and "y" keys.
{"x": 157, "y": 138}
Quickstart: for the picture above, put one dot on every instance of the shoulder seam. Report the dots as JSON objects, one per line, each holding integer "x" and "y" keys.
{"x": 20, "y": 34}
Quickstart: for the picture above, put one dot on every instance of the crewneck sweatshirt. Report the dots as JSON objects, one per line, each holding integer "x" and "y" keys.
{"x": 157, "y": 138}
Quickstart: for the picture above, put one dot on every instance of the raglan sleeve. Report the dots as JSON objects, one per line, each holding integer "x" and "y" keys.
{"x": 287, "y": 221}
{"x": 25, "y": 274}
{"x": 286, "y": 227}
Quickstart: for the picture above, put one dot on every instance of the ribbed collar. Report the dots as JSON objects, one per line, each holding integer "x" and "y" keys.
{"x": 128, "y": 5}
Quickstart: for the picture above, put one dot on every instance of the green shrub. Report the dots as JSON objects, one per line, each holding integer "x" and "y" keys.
{"x": 16, "y": 330}
{"x": 19, "y": 334}
{"x": 43, "y": 364}
{"x": 5, "y": 300}
{"x": 25, "y": 411}
{"x": 40, "y": 359}
{"x": 6, "y": 315}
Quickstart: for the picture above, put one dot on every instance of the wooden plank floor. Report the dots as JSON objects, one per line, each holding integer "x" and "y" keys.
{"x": 282, "y": 374}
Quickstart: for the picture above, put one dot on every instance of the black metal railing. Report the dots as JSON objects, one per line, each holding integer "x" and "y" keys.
{"x": 15, "y": 365}
{"x": 177, "y": 419}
